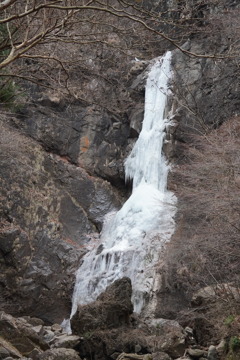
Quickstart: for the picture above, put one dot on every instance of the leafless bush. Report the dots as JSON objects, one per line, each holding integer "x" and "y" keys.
{"x": 206, "y": 249}
{"x": 49, "y": 42}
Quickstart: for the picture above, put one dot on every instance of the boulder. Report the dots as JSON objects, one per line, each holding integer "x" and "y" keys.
{"x": 48, "y": 335}
{"x": 166, "y": 341}
{"x": 125, "y": 356}
{"x": 160, "y": 356}
{"x": 59, "y": 354}
{"x": 66, "y": 341}
{"x": 169, "y": 337}
{"x": 18, "y": 337}
{"x": 221, "y": 347}
{"x": 7, "y": 349}
{"x": 196, "y": 353}
{"x": 212, "y": 353}
{"x": 112, "y": 309}
{"x": 38, "y": 329}
{"x": 56, "y": 328}
{"x": 107, "y": 329}
{"x": 212, "y": 292}
{"x": 33, "y": 320}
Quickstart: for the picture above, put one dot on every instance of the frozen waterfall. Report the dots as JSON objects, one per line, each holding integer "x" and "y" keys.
{"x": 132, "y": 238}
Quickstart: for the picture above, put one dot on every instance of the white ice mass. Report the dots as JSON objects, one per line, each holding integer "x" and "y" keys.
{"x": 132, "y": 238}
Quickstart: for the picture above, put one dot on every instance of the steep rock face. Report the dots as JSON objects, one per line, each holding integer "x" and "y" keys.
{"x": 55, "y": 198}
{"x": 52, "y": 206}
{"x": 51, "y": 211}
{"x": 88, "y": 136}
{"x": 206, "y": 90}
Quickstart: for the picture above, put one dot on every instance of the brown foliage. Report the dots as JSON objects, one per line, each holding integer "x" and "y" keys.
{"x": 205, "y": 249}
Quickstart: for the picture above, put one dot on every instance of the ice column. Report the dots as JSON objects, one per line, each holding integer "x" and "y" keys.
{"x": 133, "y": 237}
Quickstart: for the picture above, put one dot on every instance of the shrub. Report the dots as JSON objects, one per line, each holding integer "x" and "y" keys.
{"x": 205, "y": 249}
{"x": 234, "y": 343}
{"x": 229, "y": 320}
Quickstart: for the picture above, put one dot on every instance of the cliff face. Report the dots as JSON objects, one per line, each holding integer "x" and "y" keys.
{"x": 62, "y": 171}
{"x": 51, "y": 212}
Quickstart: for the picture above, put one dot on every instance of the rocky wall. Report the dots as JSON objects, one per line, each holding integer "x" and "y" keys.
{"x": 51, "y": 212}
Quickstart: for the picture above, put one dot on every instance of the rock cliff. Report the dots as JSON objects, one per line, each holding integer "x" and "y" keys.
{"x": 62, "y": 172}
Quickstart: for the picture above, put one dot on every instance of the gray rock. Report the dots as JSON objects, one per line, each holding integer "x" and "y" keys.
{"x": 66, "y": 341}
{"x": 201, "y": 90}
{"x": 160, "y": 356}
{"x": 38, "y": 329}
{"x": 48, "y": 336}
{"x": 211, "y": 293}
{"x": 3, "y": 352}
{"x": 137, "y": 348}
{"x": 189, "y": 330}
{"x": 196, "y": 353}
{"x": 170, "y": 337}
{"x": 212, "y": 353}
{"x": 59, "y": 354}
{"x": 18, "y": 337}
{"x": 56, "y": 327}
{"x": 136, "y": 119}
{"x": 35, "y": 353}
{"x": 33, "y": 320}
{"x": 132, "y": 356}
{"x": 221, "y": 346}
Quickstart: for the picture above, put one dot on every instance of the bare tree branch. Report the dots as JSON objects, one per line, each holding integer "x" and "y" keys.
{"x": 6, "y": 3}
{"x": 77, "y": 35}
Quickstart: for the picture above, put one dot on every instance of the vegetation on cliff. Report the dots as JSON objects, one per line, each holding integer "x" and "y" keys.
{"x": 49, "y": 42}
{"x": 72, "y": 112}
